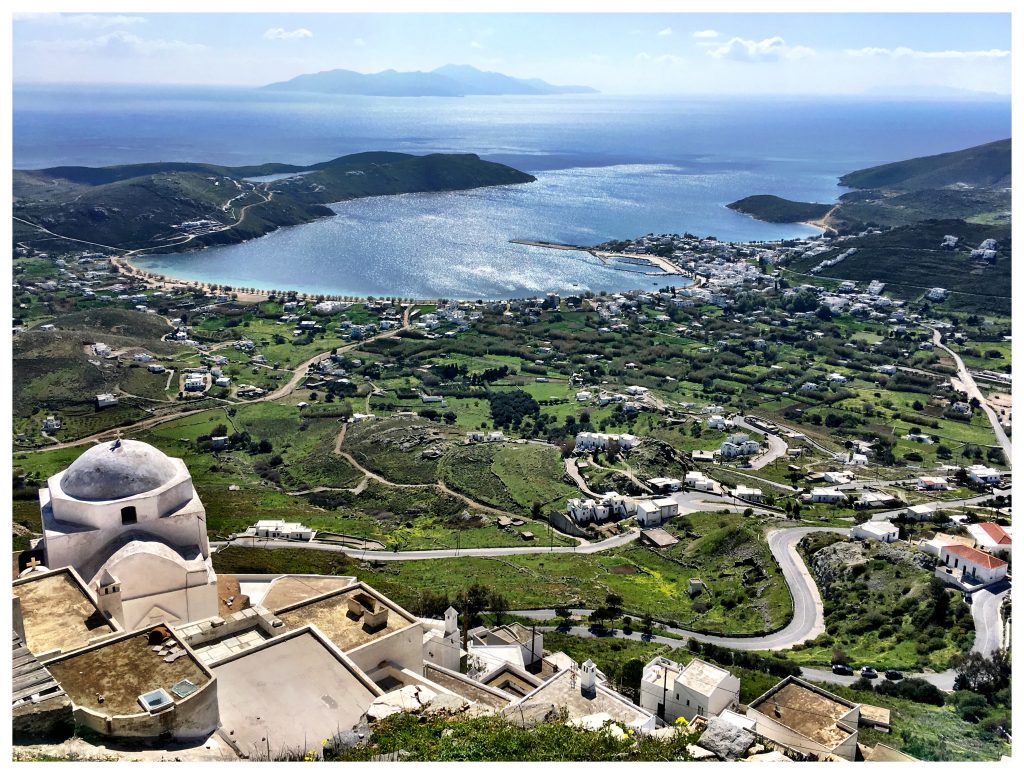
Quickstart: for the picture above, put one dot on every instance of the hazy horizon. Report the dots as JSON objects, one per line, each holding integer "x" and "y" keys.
{"x": 671, "y": 54}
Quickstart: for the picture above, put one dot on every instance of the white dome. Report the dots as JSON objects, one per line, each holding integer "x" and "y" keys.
{"x": 112, "y": 470}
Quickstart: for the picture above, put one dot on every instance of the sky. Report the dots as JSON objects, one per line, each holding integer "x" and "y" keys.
{"x": 620, "y": 53}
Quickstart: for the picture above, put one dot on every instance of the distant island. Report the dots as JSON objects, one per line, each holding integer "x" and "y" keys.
{"x": 446, "y": 81}
{"x": 171, "y": 206}
{"x": 971, "y": 184}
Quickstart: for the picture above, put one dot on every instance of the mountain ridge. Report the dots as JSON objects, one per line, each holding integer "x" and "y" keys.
{"x": 449, "y": 80}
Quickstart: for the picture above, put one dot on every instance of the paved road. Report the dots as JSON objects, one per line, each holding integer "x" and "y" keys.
{"x": 988, "y": 623}
{"x": 777, "y": 447}
{"x": 973, "y": 392}
{"x": 808, "y": 615}
{"x": 441, "y": 553}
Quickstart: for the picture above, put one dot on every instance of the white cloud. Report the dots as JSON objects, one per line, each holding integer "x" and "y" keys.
{"x": 767, "y": 50}
{"x": 902, "y": 52}
{"x": 665, "y": 32}
{"x": 359, "y": 42}
{"x": 476, "y": 44}
{"x": 90, "y": 21}
{"x": 280, "y": 33}
{"x": 705, "y": 34}
{"x": 643, "y": 56}
{"x": 118, "y": 43}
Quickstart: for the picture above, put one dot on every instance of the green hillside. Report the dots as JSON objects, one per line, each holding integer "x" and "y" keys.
{"x": 983, "y": 165}
{"x": 774, "y": 209}
{"x": 910, "y": 260}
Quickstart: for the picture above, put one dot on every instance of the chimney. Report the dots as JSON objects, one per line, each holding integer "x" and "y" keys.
{"x": 108, "y": 597}
{"x": 588, "y": 679}
{"x": 451, "y": 620}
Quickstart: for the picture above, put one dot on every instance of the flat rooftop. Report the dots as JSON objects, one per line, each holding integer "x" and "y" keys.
{"x": 291, "y": 693}
{"x": 119, "y": 672}
{"x": 58, "y": 613}
{"x": 291, "y": 589}
{"x": 465, "y": 687}
{"x": 810, "y": 713}
{"x": 331, "y": 616}
{"x": 702, "y": 676}
{"x": 563, "y": 690}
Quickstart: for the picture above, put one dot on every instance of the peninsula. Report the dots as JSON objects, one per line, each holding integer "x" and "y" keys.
{"x": 171, "y": 206}
{"x": 971, "y": 184}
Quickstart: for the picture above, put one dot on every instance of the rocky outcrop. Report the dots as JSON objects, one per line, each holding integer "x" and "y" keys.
{"x": 725, "y": 740}
{"x": 836, "y": 561}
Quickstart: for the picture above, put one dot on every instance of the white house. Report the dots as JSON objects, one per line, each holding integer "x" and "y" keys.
{"x": 611, "y": 505}
{"x": 932, "y": 483}
{"x": 738, "y": 445}
{"x": 635, "y": 389}
{"x": 882, "y": 531}
{"x": 647, "y": 513}
{"x": 970, "y": 566}
{"x": 984, "y": 475}
{"x": 105, "y": 399}
{"x": 749, "y": 494}
{"x": 282, "y": 530}
{"x": 888, "y": 370}
{"x": 697, "y": 480}
{"x": 663, "y": 484}
{"x": 992, "y": 538}
{"x": 671, "y": 691}
{"x": 827, "y": 495}
{"x": 717, "y": 422}
{"x": 591, "y": 441}
{"x": 837, "y": 477}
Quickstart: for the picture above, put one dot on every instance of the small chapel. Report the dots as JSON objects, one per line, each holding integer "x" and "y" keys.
{"x": 128, "y": 519}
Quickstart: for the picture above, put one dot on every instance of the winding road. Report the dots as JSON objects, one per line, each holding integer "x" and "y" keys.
{"x": 971, "y": 388}
{"x": 808, "y": 619}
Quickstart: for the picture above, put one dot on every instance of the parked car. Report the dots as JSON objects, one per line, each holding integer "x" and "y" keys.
{"x": 868, "y": 672}
{"x": 841, "y": 669}
{"x": 893, "y": 674}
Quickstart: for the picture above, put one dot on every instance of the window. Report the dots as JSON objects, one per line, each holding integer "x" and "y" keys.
{"x": 128, "y": 515}
{"x": 687, "y": 702}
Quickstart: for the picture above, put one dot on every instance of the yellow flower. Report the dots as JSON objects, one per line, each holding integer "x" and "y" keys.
{"x": 681, "y": 721}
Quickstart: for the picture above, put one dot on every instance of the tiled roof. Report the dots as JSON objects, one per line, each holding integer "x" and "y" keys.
{"x": 996, "y": 532}
{"x": 977, "y": 557}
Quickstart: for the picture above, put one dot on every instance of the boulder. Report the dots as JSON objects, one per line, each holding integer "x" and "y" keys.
{"x": 345, "y": 740}
{"x": 409, "y": 698}
{"x": 446, "y": 703}
{"x": 699, "y": 753}
{"x": 727, "y": 741}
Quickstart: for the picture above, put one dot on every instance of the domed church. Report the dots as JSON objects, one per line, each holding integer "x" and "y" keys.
{"x": 127, "y": 518}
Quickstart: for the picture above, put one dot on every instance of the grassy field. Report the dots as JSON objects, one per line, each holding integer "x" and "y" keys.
{"x": 648, "y": 581}
{"x": 508, "y": 476}
{"x": 884, "y": 610}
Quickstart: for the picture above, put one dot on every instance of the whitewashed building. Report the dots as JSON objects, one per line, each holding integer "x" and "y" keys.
{"x": 882, "y": 531}
{"x": 671, "y": 691}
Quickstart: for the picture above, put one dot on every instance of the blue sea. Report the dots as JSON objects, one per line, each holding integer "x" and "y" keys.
{"x": 607, "y": 167}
